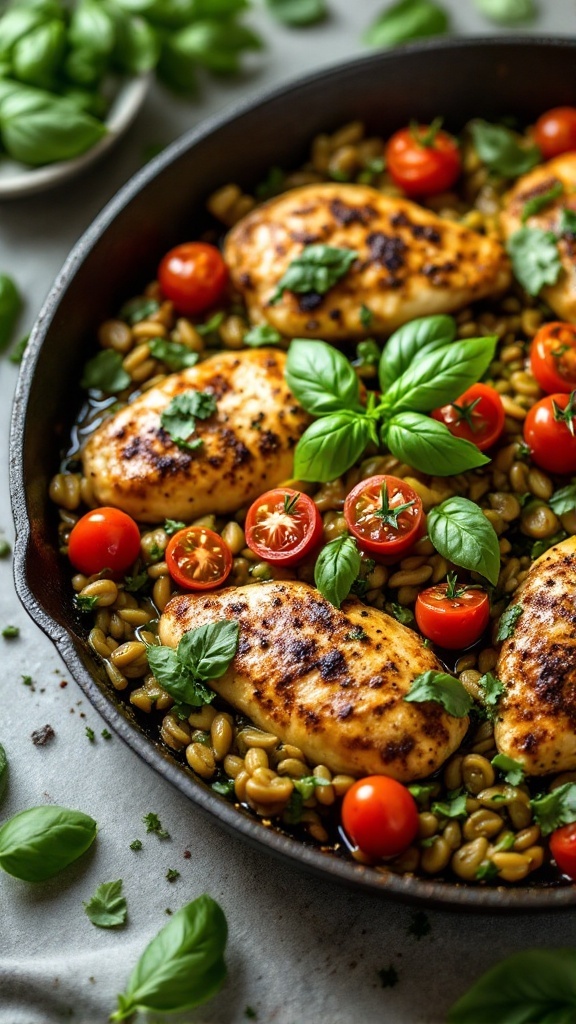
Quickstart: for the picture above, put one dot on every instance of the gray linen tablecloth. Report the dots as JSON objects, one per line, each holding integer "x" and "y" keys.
{"x": 301, "y": 950}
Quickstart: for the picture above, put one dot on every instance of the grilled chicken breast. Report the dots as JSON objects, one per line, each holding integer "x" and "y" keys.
{"x": 561, "y": 296}
{"x": 248, "y": 443}
{"x": 410, "y": 262}
{"x": 537, "y": 665}
{"x": 331, "y": 682}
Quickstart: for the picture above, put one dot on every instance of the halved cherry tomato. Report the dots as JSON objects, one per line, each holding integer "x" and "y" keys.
{"x": 477, "y": 416}
{"x": 563, "y": 849}
{"x": 193, "y": 276}
{"x": 452, "y": 616}
{"x": 555, "y": 131}
{"x": 105, "y": 538}
{"x": 423, "y": 160}
{"x": 385, "y": 515}
{"x": 380, "y": 816}
{"x": 198, "y": 558}
{"x": 283, "y": 526}
{"x": 549, "y": 432}
{"x": 553, "y": 357}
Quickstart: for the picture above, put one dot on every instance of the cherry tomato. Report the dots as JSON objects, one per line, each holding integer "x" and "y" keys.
{"x": 380, "y": 816}
{"x": 385, "y": 515}
{"x": 477, "y": 416}
{"x": 423, "y": 160}
{"x": 198, "y": 558}
{"x": 105, "y": 538}
{"x": 563, "y": 849}
{"x": 193, "y": 276}
{"x": 452, "y": 616}
{"x": 283, "y": 526}
{"x": 553, "y": 357}
{"x": 555, "y": 131}
{"x": 548, "y": 432}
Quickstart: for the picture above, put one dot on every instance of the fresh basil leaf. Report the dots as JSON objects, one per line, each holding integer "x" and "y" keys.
{"x": 307, "y": 784}
{"x": 541, "y": 201}
{"x": 39, "y": 128}
{"x": 91, "y": 27}
{"x": 137, "y": 47}
{"x": 508, "y": 620}
{"x": 183, "y": 966}
{"x": 317, "y": 269}
{"x": 403, "y": 615}
{"x": 331, "y": 445}
{"x": 508, "y": 12}
{"x": 37, "y": 55}
{"x": 215, "y": 45}
{"x": 540, "y": 546}
{"x": 492, "y": 690}
{"x": 37, "y": 843}
{"x": 443, "y": 689}
{"x": 421, "y": 792}
{"x": 140, "y": 308}
{"x": 179, "y": 418}
{"x": 534, "y": 987}
{"x": 406, "y": 345}
{"x": 85, "y": 66}
{"x": 107, "y": 907}
{"x": 175, "y": 355}
{"x": 106, "y": 373}
{"x": 439, "y": 377}
{"x": 460, "y": 532}
{"x": 453, "y": 807}
{"x": 298, "y": 12}
{"x": 17, "y": 353}
{"x": 337, "y": 567}
{"x": 407, "y": 20}
{"x": 564, "y": 500}
{"x": 15, "y": 24}
{"x": 321, "y": 378}
{"x": 10, "y": 306}
{"x": 567, "y": 225}
{"x": 3, "y": 771}
{"x": 208, "y": 650}
{"x": 502, "y": 150}
{"x": 535, "y": 258}
{"x": 368, "y": 352}
{"x": 554, "y": 809}
{"x": 262, "y": 334}
{"x": 429, "y": 446}
{"x": 512, "y": 770}
{"x": 173, "y": 677}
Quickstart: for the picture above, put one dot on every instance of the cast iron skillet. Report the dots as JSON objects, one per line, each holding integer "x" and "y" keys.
{"x": 161, "y": 206}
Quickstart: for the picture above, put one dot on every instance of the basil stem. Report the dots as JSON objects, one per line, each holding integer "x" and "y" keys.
{"x": 39, "y": 842}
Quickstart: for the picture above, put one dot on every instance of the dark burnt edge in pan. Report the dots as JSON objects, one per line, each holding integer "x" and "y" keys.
{"x": 34, "y": 452}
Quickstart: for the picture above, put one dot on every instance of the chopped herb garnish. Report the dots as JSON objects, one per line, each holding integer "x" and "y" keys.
{"x": 263, "y": 334}
{"x": 360, "y": 586}
{"x": 153, "y": 824}
{"x": 421, "y": 792}
{"x": 567, "y": 225}
{"x": 442, "y": 688}
{"x": 27, "y": 680}
{"x": 90, "y": 734}
{"x": 107, "y": 908}
{"x": 388, "y": 976}
{"x": 5, "y": 549}
{"x": 502, "y": 150}
{"x": 139, "y": 309}
{"x": 306, "y": 785}
{"x": 453, "y": 807}
{"x": 132, "y": 584}
{"x": 317, "y": 269}
{"x": 555, "y": 809}
{"x": 106, "y": 735}
{"x": 492, "y": 689}
{"x": 535, "y": 258}
{"x": 106, "y": 373}
{"x": 356, "y": 634}
{"x": 486, "y": 871}
{"x": 272, "y": 185}
{"x": 512, "y": 770}
{"x": 85, "y": 602}
{"x": 136, "y": 844}
{"x": 564, "y": 499}
{"x": 175, "y": 355}
{"x": 172, "y": 874}
{"x": 10, "y": 632}
{"x": 540, "y": 202}
{"x": 508, "y": 620}
{"x": 400, "y": 613}
{"x": 172, "y": 526}
{"x": 211, "y": 325}
{"x": 179, "y": 419}
{"x": 420, "y": 925}
{"x": 540, "y": 546}
{"x": 366, "y": 316}
{"x": 225, "y": 787}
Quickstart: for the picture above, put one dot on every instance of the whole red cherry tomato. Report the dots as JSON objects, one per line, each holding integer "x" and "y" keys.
{"x": 563, "y": 849}
{"x": 193, "y": 276}
{"x": 423, "y": 160}
{"x": 283, "y": 526}
{"x": 553, "y": 357}
{"x": 105, "y": 538}
{"x": 555, "y": 131}
{"x": 385, "y": 515}
{"x": 198, "y": 558}
{"x": 380, "y": 816}
{"x": 477, "y": 416}
{"x": 452, "y": 616}
{"x": 549, "y": 433}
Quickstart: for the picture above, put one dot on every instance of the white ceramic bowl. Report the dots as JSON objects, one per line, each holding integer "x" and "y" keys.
{"x": 17, "y": 179}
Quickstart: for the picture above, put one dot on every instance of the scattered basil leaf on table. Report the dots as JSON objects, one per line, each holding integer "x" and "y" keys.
{"x": 214, "y": 45}
{"x": 443, "y": 689}
{"x": 508, "y": 12}
{"x": 317, "y": 269}
{"x": 508, "y": 620}
{"x": 331, "y": 445}
{"x": 262, "y": 334}
{"x": 10, "y": 306}
{"x": 3, "y": 771}
{"x": 460, "y": 532}
{"x": 512, "y": 770}
{"x": 17, "y": 353}
{"x": 534, "y": 987}
{"x": 107, "y": 907}
{"x": 337, "y": 567}
{"x": 535, "y": 258}
{"x": 173, "y": 353}
{"x": 321, "y": 378}
{"x": 202, "y": 654}
{"x": 183, "y": 966}
{"x": 154, "y": 825}
{"x": 492, "y": 690}
{"x": 106, "y": 373}
{"x": 440, "y": 376}
{"x": 179, "y": 418}
{"x": 540, "y": 202}
{"x": 555, "y": 809}
{"x": 38, "y": 843}
{"x": 567, "y": 225}
{"x": 423, "y": 442}
{"x": 406, "y": 20}
{"x": 298, "y": 13}
{"x": 408, "y": 342}
{"x": 564, "y": 500}
{"x": 502, "y": 150}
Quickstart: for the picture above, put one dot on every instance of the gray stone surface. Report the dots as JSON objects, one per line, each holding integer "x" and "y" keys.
{"x": 301, "y": 951}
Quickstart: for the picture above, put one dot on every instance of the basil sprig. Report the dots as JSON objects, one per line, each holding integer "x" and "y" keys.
{"x": 324, "y": 382}
{"x": 107, "y": 907}
{"x": 38, "y": 843}
{"x": 336, "y": 569}
{"x": 317, "y": 269}
{"x": 183, "y": 966}
{"x": 537, "y": 985}
{"x": 443, "y": 689}
{"x": 556, "y": 808}
{"x": 407, "y": 20}
{"x": 502, "y": 150}
{"x": 202, "y": 654}
{"x": 3, "y": 771}
{"x": 460, "y": 532}
{"x": 179, "y": 418}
